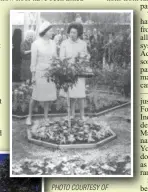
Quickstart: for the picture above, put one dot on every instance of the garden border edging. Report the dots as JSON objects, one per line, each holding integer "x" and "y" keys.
{"x": 70, "y": 146}
{"x": 65, "y": 114}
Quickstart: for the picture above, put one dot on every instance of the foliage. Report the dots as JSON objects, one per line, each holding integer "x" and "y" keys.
{"x": 95, "y": 101}
{"x": 117, "y": 80}
{"x": 64, "y": 73}
{"x": 119, "y": 48}
{"x": 114, "y": 80}
{"x": 21, "y": 96}
{"x": 58, "y": 132}
{"x": 76, "y": 165}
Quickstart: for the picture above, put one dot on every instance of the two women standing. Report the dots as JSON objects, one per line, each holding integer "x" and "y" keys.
{"x": 43, "y": 50}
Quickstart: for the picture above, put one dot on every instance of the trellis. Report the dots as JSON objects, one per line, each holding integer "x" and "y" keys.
{"x": 32, "y": 21}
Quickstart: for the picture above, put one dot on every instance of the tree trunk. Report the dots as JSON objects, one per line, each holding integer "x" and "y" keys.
{"x": 68, "y": 105}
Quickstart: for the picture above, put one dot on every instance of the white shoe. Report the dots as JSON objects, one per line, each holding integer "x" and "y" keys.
{"x": 28, "y": 121}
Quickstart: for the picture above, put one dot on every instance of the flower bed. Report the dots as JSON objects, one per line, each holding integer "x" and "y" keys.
{"x": 82, "y": 134}
{"x": 76, "y": 165}
{"x": 95, "y": 102}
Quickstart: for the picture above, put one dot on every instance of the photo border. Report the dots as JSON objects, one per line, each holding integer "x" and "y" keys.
{"x": 132, "y": 115}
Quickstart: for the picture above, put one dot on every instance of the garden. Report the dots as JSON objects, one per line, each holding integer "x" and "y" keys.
{"x": 107, "y": 89}
{"x": 100, "y": 144}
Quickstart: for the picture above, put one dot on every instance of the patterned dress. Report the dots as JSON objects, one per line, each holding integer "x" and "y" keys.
{"x": 26, "y": 61}
{"x": 42, "y": 52}
{"x": 71, "y": 49}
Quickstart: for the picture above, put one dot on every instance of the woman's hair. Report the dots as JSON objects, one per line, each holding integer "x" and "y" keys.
{"x": 29, "y": 34}
{"x": 77, "y": 26}
{"x": 45, "y": 31}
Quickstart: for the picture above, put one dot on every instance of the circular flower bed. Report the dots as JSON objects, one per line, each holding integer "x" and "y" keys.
{"x": 81, "y": 132}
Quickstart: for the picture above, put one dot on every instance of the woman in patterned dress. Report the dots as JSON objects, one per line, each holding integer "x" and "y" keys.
{"x": 26, "y": 55}
{"x": 71, "y": 48}
{"x": 42, "y": 52}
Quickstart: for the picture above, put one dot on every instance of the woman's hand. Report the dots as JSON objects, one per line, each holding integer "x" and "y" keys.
{"x": 27, "y": 52}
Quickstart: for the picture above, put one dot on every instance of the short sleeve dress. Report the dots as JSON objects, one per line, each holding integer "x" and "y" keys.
{"x": 72, "y": 49}
{"x": 41, "y": 53}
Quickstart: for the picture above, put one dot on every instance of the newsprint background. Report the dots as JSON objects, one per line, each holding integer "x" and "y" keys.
{"x": 138, "y": 182}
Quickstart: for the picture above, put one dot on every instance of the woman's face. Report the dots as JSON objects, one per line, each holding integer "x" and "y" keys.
{"x": 29, "y": 36}
{"x": 30, "y": 39}
{"x": 73, "y": 34}
{"x": 49, "y": 33}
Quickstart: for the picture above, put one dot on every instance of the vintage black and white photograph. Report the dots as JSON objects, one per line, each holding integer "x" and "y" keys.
{"x": 8, "y": 184}
{"x": 71, "y": 93}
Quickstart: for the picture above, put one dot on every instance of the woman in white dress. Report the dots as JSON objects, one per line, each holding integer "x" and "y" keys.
{"x": 71, "y": 48}
{"x": 42, "y": 51}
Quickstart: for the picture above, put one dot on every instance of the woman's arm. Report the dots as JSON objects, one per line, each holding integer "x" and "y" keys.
{"x": 62, "y": 51}
{"x": 24, "y": 50}
{"x": 33, "y": 61}
{"x": 55, "y": 50}
{"x": 33, "y": 58}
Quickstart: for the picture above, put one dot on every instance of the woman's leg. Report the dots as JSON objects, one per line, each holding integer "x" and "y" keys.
{"x": 73, "y": 104}
{"x": 46, "y": 108}
{"x": 31, "y": 105}
{"x": 82, "y": 108}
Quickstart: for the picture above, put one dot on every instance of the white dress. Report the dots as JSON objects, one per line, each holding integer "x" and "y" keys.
{"x": 71, "y": 49}
{"x": 41, "y": 53}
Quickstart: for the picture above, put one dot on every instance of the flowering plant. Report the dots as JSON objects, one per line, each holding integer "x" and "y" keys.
{"x": 82, "y": 132}
{"x": 21, "y": 96}
{"x": 64, "y": 73}
{"x": 113, "y": 164}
